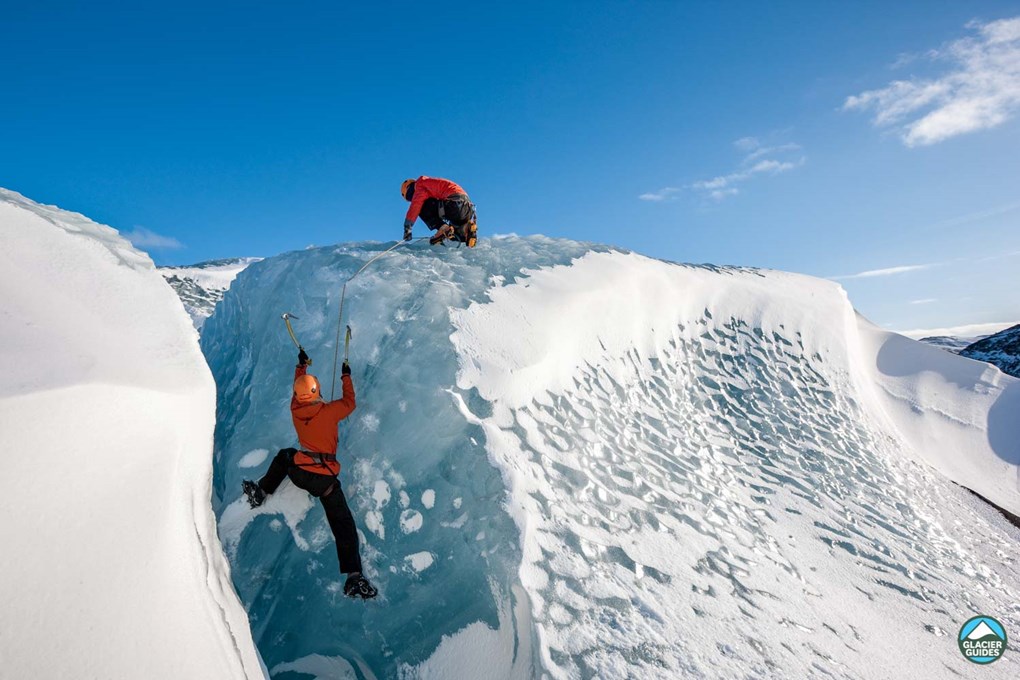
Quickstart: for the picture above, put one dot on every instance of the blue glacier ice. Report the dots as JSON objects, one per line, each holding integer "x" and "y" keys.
{"x": 409, "y": 458}
{"x": 571, "y": 461}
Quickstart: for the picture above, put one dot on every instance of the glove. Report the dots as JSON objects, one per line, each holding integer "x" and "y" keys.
{"x": 345, "y": 369}
{"x": 407, "y": 230}
{"x": 302, "y": 358}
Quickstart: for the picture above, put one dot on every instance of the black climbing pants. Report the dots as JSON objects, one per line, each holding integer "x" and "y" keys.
{"x": 327, "y": 489}
{"x": 457, "y": 210}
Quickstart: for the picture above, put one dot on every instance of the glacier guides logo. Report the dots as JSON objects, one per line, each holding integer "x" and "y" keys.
{"x": 982, "y": 640}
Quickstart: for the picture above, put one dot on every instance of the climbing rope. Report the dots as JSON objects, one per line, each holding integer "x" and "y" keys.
{"x": 340, "y": 314}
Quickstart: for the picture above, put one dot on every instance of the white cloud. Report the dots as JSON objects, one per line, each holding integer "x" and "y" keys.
{"x": 663, "y": 194}
{"x": 757, "y": 160}
{"x": 925, "y": 301}
{"x": 720, "y": 187}
{"x": 747, "y": 144}
{"x": 980, "y": 89}
{"x": 888, "y": 271}
{"x": 967, "y": 331}
{"x": 720, "y": 194}
{"x": 145, "y": 238}
{"x": 770, "y": 150}
{"x": 999, "y": 256}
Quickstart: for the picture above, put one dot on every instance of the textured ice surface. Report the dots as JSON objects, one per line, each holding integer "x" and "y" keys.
{"x": 712, "y": 485}
{"x": 620, "y": 467}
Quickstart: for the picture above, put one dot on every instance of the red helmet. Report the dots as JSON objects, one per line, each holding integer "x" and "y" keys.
{"x": 408, "y": 183}
{"x": 306, "y": 389}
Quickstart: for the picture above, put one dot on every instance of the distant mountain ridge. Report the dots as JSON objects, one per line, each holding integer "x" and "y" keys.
{"x": 201, "y": 286}
{"x": 950, "y": 343}
{"x": 1001, "y": 349}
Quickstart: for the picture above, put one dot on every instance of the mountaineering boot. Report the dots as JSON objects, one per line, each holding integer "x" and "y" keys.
{"x": 358, "y": 586}
{"x": 471, "y": 234}
{"x": 444, "y": 232}
{"x": 256, "y": 496}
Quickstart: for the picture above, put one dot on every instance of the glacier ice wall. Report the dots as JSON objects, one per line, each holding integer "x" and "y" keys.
{"x": 574, "y": 462}
{"x": 427, "y": 499}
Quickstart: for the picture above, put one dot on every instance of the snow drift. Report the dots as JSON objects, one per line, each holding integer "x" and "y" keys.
{"x": 576, "y": 462}
{"x": 110, "y": 563}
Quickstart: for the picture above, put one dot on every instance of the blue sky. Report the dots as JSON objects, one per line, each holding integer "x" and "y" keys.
{"x": 766, "y": 134}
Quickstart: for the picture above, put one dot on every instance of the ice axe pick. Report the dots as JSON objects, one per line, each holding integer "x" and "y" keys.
{"x": 287, "y": 316}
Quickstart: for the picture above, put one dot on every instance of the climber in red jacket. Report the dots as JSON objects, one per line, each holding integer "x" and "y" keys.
{"x": 314, "y": 468}
{"x": 443, "y": 206}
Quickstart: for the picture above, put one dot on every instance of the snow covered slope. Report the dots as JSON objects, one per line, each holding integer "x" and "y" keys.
{"x": 575, "y": 462}
{"x": 110, "y": 565}
{"x": 201, "y": 286}
{"x": 1001, "y": 349}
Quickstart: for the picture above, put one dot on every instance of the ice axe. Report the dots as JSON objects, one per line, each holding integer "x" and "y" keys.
{"x": 287, "y": 316}
{"x": 347, "y": 343}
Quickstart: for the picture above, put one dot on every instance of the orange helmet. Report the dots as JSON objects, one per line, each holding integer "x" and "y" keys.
{"x": 404, "y": 187}
{"x": 306, "y": 389}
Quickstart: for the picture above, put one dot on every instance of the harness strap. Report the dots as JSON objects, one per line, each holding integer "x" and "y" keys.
{"x": 323, "y": 458}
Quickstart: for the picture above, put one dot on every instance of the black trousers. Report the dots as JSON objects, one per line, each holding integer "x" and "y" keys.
{"x": 457, "y": 209}
{"x": 327, "y": 489}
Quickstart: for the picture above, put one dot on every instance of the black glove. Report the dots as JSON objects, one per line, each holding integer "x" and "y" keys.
{"x": 302, "y": 358}
{"x": 407, "y": 230}
{"x": 345, "y": 369}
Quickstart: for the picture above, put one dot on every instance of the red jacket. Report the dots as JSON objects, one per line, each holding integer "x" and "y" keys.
{"x": 316, "y": 426}
{"x": 430, "y": 187}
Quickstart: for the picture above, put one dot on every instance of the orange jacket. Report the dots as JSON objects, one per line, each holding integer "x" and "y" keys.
{"x": 316, "y": 426}
{"x": 430, "y": 187}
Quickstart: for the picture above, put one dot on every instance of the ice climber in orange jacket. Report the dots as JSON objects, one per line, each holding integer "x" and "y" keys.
{"x": 443, "y": 206}
{"x": 314, "y": 468}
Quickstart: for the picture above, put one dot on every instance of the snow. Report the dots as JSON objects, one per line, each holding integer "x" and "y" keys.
{"x": 959, "y": 416}
{"x": 748, "y": 435}
{"x": 420, "y": 561}
{"x": 644, "y": 470}
{"x": 253, "y": 458}
{"x": 411, "y": 521}
{"x": 111, "y": 565}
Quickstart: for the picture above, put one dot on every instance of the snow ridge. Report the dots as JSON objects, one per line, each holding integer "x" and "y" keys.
{"x": 695, "y": 472}
{"x": 109, "y": 541}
